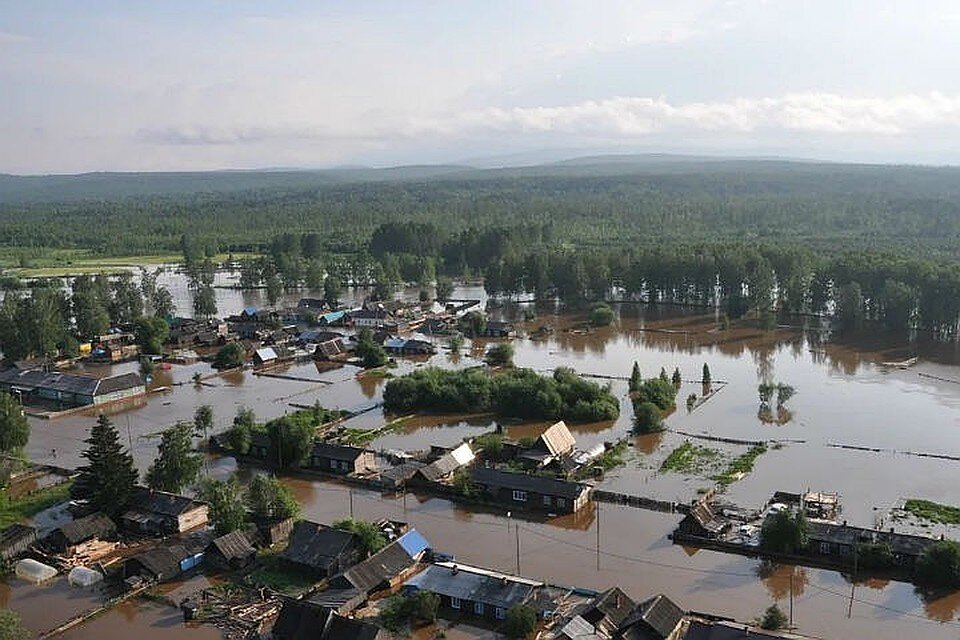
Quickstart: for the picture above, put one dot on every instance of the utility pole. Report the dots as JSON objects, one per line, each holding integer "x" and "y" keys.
{"x": 516, "y": 528}
{"x": 350, "y": 491}
{"x": 598, "y": 536}
{"x": 129, "y": 437}
{"x": 404, "y": 500}
{"x": 791, "y": 596}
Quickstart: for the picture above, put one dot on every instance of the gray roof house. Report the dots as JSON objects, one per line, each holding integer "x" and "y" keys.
{"x": 321, "y": 550}
{"x": 529, "y": 491}
{"x": 70, "y": 389}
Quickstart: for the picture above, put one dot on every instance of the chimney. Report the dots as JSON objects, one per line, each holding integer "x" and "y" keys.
{"x": 617, "y": 601}
{"x": 454, "y": 569}
{"x": 503, "y": 580}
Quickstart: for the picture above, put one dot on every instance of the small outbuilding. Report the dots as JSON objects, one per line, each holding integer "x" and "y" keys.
{"x": 321, "y": 550}
{"x": 69, "y": 537}
{"x": 342, "y": 460}
{"x": 15, "y": 540}
{"x": 231, "y": 551}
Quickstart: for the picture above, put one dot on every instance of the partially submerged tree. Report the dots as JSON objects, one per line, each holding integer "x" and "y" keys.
{"x": 269, "y": 499}
{"x": 677, "y": 378}
{"x": 177, "y": 464}
{"x": 500, "y": 355}
{"x": 203, "y": 420}
{"x": 785, "y": 532}
{"x": 706, "y": 379}
{"x": 601, "y": 315}
{"x": 773, "y": 619}
{"x": 635, "y": 378}
{"x": 225, "y": 500}
{"x": 939, "y": 566}
{"x": 647, "y": 417}
{"x": 109, "y": 479}
{"x": 229, "y": 356}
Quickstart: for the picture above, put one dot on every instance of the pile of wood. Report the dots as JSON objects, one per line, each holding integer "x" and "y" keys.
{"x": 237, "y": 614}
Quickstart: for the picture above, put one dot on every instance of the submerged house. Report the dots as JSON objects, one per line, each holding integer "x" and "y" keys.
{"x": 342, "y": 460}
{"x": 162, "y": 563}
{"x": 473, "y": 591}
{"x": 613, "y": 615}
{"x": 321, "y": 550}
{"x": 533, "y": 492}
{"x": 701, "y": 522}
{"x": 68, "y": 389}
{"x": 162, "y": 513}
{"x": 69, "y": 537}
{"x": 387, "y": 568}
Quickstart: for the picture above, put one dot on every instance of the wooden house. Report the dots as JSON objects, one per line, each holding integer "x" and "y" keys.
{"x": 162, "y": 513}
{"x": 341, "y": 460}
{"x": 531, "y": 492}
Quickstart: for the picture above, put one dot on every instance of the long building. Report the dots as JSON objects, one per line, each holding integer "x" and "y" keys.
{"x": 69, "y": 389}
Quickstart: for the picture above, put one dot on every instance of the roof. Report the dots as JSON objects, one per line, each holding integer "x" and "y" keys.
{"x": 249, "y": 311}
{"x": 336, "y": 451}
{"x": 315, "y": 545}
{"x": 900, "y": 543}
{"x": 333, "y": 316}
{"x": 557, "y": 439}
{"x": 31, "y": 379}
{"x": 612, "y": 606}
{"x": 705, "y": 517}
{"x": 655, "y": 618}
{"x": 702, "y": 630}
{"x": 162, "y": 562}
{"x": 526, "y": 482}
{"x": 448, "y": 463}
{"x": 337, "y": 599}
{"x": 579, "y": 629}
{"x": 394, "y": 343}
{"x": 413, "y": 543}
{"x": 371, "y": 314}
{"x": 301, "y": 620}
{"x": 474, "y": 584}
{"x": 96, "y": 525}
{"x": 402, "y": 472}
{"x": 381, "y": 567}
{"x": 266, "y": 353}
{"x": 164, "y": 503}
{"x": 15, "y": 533}
{"x": 234, "y": 545}
{"x": 340, "y": 628}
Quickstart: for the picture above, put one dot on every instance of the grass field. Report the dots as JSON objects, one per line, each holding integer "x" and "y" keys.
{"x": 12, "y": 511}
{"x": 50, "y": 263}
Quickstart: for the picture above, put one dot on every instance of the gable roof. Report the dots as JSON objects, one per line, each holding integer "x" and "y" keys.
{"x": 31, "y": 379}
{"x": 317, "y": 546}
{"x": 96, "y": 525}
{"x": 703, "y": 630}
{"x": 474, "y": 584}
{"x": 654, "y": 619}
{"x": 301, "y": 620}
{"x": 413, "y": 543}
{"x": 15, "y": 533}
{"x": 162, "y": 562}
{"x": 381, "y": 567}
{"x": 557, "y": 439}
{"x": 164, "y": 503}
{"x": 448, "y": 463}
{"x": 336, "y": 451}
{"x": 234, "y": 545}
{"x": 340, "y": 628}
{"x": 265, "y": 353}
{"x": 613, "y": 606}
{"x": 526, "y": 482}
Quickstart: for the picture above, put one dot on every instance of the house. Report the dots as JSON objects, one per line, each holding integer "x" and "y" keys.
{"x": 445, "y": 466}
{"x": 498, "y": 329}
{"x": 264, "y": 356}
{"x": 658, "y": 618}
{"x": 398, "y": 476}
{"x": 701, "y": 522}
{"x": 342, "y": 460}
{"x": 697, "y": 629}
{"x": 473, "y": 591}
{"x": 527, "y": 491}
{"x": 320, "y": 550}
{"x": 841, "y": 540}
{"x": 162, "y": 513}
{"x": 387, "y": 568}
{"x": 329, "y": 349}
{"x": 273, "y": 531}
{"x": 316, "y": 336}
{"x": 15, "y": 540}
{"x": 314, "y": 304}
{"x": 554, "y": 443}
{"x": 69, "y": 537}
{"x": 231, "y": 551}
{"x": 308, "y": 620}
{"x": 340, "y": 601}
{"x": 371, "y": 318}
{"x": 409, "y": 346}
{"x": 162, "y": 563}
{"x": 333, "y": 319}
{"x": 68, "y": 389}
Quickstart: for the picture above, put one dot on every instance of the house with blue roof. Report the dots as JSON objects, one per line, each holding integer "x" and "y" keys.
{"x": 387, "y": 568}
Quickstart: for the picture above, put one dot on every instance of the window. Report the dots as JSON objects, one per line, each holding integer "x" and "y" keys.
{"x": 478, "y": 608}
{"x": 333, "y": 465}
{"x": 825, "y": 548}
{"x": 546, "y": 501}
{"x": 520, "y": 496}
{"x": 454, "y": 603}
{"x": 561, "y": 503}
{"x": 501, "y": 614}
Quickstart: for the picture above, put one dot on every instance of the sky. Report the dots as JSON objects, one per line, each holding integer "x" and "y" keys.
{"x": 206, "y": 84}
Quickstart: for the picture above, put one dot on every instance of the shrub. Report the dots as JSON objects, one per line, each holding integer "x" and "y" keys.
{"x": 647, "y": 417}
{"x": 229, "y": 356}
{"x": 784, "y": 532}
{"x": 658, "y": 391}
{"x": 773, "y": 619}
{"x": 601, "y": 315}
{"x": 939, "y": 566}
{"x": 500, "y": 355}
{"x": 519, "y": 622}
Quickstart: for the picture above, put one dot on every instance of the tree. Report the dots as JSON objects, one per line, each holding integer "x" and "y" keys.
{"x": 89, "y": 303}
{"x": 773, "y": 619}
{"x": 417, "y": 609}
{"x": 647, "y": 417}
{"x": 205, "y": 301}
{"x": 163, "y": 304}
{"x": 676, "y": 379}
{"x": 472, "y": 324}
{"x": 939, "y": 566}
{"x": 519, "y": 622}
{"x": 177, "y": 465}
{"x": 444, "y": 289}
{"x": 126, "y": 304}
{"x": 784, "y": 393}
{"x": 601, "y": 315}
{"x": 240, "y": 435}
{"x": 151, "y": 333}
{"x": 230, "y": 356}
{"x": 370, "y": 536}
{"x": 849, "y": 306}
{"x": 291, "y": 440}
{"x": 11, "y": 627}
{"x": 707, "y": 379}
{"x": 635, "y": 378}
{"x": 332, "y": 290}
{"x": 203, "y": 420}
{"x": 225, "y": 501}
{"x": 370, "y": 353}
{"x": 109, "y": 479}
{"x": 500, "y": 355}
{"x": 274, "y": 289}
{"x": 658, "y": 391}
{"x": 268, "y": 499}
{"x": 14, "y": 428}
{"x": 784, "y": 532}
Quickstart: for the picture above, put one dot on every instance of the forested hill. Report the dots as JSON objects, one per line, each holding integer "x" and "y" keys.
{"x": 591, "y": 201}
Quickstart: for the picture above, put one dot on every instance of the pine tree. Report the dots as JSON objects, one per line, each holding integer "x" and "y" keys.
{"x": 677, "y": 378}
{"x": 635, "y": 378}
{"x": 177, "y": 465}
{"x": 109, "y": 479}
{"x": 706, "y": 374}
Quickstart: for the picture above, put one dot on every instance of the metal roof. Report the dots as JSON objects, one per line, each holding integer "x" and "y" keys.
{"x": 448, "y": 463}
{"x": 266, "y": 353}
{"x": 413, "y": 543}
{"x": 32, "y": 379}
{"x": 474, "y": 584}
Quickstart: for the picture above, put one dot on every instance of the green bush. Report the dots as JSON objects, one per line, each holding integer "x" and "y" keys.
{"x": 601, "y": 315}
{"x": 229, "y": 356}
{"x": 773, "y": 619}
{"x": 658, "y": 391}
{"x": 939, "y": 566}
{"x": 500, "y": 355}
{"x": 519, "y": 622}
{"x": 784, "y": 532}
{"x": 647, "y": 417}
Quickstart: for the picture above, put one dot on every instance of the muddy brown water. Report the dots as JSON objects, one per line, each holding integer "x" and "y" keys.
{"x": 844, "y": 396}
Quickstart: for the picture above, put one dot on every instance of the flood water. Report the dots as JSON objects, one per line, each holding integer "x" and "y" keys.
{"x": 844, "y": 396}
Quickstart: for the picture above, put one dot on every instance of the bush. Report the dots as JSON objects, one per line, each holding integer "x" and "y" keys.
{"x": 370, "y": 353}
{"x": 784, "y": 532}
{"x": 491, "y": 444}
{"x": 500, "y": 355}
{"x": 659, "y": 391}
{"x": 519, "y": 622}
{"x": 418, "y": 609}
{"x": 939, "y": 566}
{"x": 601, "y": 315}
{"x": 647, "y": 417}
{"x": 874, "y": 555}
{"x": 229, "y": 356}
{"x": 370, "y": 535}
{"x": 773, "y": 619}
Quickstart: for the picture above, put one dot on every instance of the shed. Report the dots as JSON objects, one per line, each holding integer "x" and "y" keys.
{"x": 159, "y": 564}
{"x": 264, "y": 355}
{"x": 386, "y": 568}
{"x": 654, "y": 619}
{"x": 701, "y": 522}
{"x": 15, "y": 540}
{"x": 231, "y": 551}
{"x": 307, "y": 620}
{"x": 67, "y": 537}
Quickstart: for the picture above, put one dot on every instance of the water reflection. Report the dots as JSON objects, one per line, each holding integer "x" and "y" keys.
{"x": 781, "y": 579}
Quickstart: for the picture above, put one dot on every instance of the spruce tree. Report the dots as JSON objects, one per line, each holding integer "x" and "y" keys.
{"x": 635, "y": 378}
{"x": 677, "y": 378}
{"x": 706, "y": 374}
{"x": 109, "y": 479}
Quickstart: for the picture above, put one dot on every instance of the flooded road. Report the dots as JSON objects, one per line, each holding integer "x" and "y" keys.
{"x": 844, "y": 396}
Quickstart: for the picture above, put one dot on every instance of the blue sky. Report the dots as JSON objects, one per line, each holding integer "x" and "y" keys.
{"x": 212, "y": 85}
